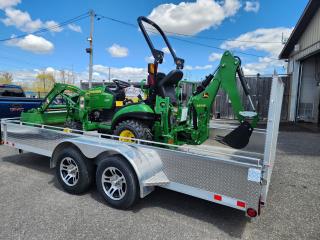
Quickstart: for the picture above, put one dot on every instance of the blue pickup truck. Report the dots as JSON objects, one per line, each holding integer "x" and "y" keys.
{"x": 13, "y": 101}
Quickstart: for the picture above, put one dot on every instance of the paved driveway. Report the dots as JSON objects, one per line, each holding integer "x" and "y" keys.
{"x": 33, "y": 205}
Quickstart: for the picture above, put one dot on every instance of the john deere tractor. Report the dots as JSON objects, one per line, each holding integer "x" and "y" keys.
{"x": 164, "y": 116}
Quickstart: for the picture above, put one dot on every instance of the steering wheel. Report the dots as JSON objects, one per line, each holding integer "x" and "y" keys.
{"x": 121, "y": 84}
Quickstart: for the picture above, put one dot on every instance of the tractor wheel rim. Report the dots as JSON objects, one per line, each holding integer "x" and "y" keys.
{"x": 125, "y": 136}
{"x": 69, "y": 171}
{"x": 114, "y": 183}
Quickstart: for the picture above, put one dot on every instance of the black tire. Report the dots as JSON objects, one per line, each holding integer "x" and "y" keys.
{"x": 129, "y": 188}
{"x": 84, "y": 174}
{"x": 138, "y": 128}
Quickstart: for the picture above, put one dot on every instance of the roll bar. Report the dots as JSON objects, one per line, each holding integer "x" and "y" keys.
{"x": 158, "y": 54}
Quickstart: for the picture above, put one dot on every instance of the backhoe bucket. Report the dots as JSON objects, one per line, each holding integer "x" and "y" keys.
{"x": 239, "y": 137}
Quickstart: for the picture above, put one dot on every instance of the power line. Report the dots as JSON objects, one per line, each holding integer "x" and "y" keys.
{"x": 56, "y": 26}
{"x": 182, "y": 40}
{"x": 13, "y": 59}
{"x": 192, "y": 36}
{"x": 218, "y": 48}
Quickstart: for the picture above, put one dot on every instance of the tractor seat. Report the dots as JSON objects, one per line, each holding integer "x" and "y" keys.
{"x": 166, "y": 84}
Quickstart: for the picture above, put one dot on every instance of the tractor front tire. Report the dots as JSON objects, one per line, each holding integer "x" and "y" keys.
{"x": 132, "y": 129}
{"x": 73, "y": 125}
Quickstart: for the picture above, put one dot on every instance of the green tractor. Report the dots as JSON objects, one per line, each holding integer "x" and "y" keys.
{"x": 164, "y": 116}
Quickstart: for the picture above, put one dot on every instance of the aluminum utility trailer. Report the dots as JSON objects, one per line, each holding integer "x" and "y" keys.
{"x": 126, "y": 171}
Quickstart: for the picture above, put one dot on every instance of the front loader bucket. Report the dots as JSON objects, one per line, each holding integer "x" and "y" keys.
{"x": 239, "y": 137}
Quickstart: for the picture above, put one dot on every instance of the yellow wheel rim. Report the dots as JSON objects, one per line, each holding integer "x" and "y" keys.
{"x": 125, "y": 136}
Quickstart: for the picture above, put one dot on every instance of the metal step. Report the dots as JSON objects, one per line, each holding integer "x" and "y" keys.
{"x": 158, "y": 179}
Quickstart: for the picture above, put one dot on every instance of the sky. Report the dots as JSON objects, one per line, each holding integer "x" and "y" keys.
{"x": 199, "y": 31}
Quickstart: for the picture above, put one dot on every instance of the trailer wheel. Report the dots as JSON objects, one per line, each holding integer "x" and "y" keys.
{"x": 74, "y": 171}
{"x": 132, "y": 129}
{"x": 117, "y": 183}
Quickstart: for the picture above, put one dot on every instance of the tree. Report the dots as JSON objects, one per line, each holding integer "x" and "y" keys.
{"x": 6, "y": 78}
{"x": 44, "y": 82}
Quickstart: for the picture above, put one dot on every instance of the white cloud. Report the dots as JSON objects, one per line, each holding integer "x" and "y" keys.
{"x": 262, "y": 66}
{"x": 149, "y": 59}
{"x": 193, "y": 17}
{"x": 28, "y": 76}
{"x": 166, "y": 50}
{"x": 33, "y": 44}
{"x": 50, "y": 69}
{"x": 23, "y": 21}
{"x": 231, "y": 7}
{"x": 267, "y": 40}
{"x": 25, "y": 76}
{"x": 8, "y": 3}
{"x": 252, "y": 6}
{"x": 262, "y": 39}
{"x": 205, "y": 67}
{"x": 215, "y": 56}
{"x": 54, "y": 26}
{"x": 118, "y": 51}
{"x": 124, "y": 73}
{"x": 74, "y": 27}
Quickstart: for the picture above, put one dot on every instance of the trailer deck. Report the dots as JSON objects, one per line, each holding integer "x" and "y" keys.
{"x": 238, "y": 179}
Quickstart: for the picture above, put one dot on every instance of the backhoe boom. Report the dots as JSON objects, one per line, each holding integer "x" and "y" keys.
{"x": 202, "y": 100}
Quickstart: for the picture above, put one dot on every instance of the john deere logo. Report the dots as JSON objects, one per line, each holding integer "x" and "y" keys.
{"x": 95, "y": 91}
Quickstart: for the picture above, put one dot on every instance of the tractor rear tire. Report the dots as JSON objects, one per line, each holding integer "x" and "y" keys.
{"x": 137, "y": 130}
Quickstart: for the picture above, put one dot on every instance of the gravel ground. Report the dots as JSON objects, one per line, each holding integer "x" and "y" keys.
{"x": 33, "y": 205}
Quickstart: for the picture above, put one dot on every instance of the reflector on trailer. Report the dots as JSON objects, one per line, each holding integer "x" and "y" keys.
{"x": 241, "y": 204}
{"x": 217, "y": 197}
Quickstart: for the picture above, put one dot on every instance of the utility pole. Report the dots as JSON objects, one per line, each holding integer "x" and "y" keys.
{"x": 109, "y": 74}
{"x": 90, "y": 49}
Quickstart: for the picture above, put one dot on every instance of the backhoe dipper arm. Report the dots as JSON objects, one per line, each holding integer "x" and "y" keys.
{"x": 57, "y": 89}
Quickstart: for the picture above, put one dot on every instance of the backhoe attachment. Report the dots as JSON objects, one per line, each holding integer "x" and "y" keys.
{"x": 225, "y": 78}
{"x": 240, "y": 136}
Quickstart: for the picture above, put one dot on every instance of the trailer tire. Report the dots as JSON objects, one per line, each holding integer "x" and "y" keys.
{"x": 117, "y": 183}
{"x": 73, "y": 171}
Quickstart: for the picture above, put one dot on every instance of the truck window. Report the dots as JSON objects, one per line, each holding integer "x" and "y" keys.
{"x": 11, "y": 91}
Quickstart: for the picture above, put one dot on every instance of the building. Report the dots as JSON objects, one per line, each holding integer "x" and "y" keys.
{"x": 302, "y": 51}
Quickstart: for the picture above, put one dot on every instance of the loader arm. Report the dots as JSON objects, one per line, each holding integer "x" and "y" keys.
{"x": 57, "y": 89}
{"x": 225, "y": 78}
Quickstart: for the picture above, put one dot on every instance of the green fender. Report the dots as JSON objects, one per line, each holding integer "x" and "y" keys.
{"x": 133, "y": 111}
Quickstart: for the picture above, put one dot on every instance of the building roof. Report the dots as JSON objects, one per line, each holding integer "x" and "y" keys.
{"x": 307, "y": 15}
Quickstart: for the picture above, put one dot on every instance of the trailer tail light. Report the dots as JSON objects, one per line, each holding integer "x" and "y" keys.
{"x": 251, "y": 212}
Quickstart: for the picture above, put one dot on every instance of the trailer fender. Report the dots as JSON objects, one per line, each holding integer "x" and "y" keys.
{"x": 145, "y": 161}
